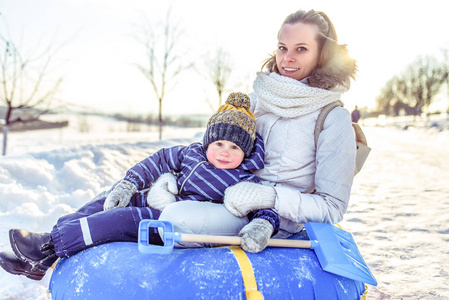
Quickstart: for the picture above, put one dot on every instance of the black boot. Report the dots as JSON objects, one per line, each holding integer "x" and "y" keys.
{"x": 35, "y": 248}
{"x": 14, "y": 265}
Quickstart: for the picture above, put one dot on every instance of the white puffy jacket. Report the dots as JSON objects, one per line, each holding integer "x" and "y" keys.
{"x": 311, "y": 186}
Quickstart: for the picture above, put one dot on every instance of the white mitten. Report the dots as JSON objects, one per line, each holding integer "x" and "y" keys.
{"x": 163, "y": 192}
{"x": 120, "y": 195}
{"x": 255, "y": 235}
{"x": 244, "y": 197}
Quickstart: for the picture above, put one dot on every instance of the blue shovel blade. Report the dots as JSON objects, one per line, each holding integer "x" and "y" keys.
{"x": 337, "y": 252}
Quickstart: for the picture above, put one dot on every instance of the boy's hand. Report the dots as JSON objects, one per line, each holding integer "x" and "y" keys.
{"x": 163, "y": 192}
{"x": 244, "y": 197}
{"x": 255, "y": 235}
{"x": 120, "y": 195}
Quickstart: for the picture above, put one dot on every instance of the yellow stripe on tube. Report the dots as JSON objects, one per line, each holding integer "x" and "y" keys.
{"x": 249, "y": 280}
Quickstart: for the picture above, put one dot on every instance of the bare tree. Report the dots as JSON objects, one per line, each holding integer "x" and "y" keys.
{"x": 27, "y": 89}
{"x": 163, "y": 62}
{"x": 416, "y": 87}
{"x": 219, "y": 71}
{"x": 422, "y": 81}
{"x": 445, "y": 65}
{"x": 388, "y": 96}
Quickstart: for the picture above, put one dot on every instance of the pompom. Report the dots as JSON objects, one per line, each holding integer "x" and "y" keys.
{"x": 238, "y": 100}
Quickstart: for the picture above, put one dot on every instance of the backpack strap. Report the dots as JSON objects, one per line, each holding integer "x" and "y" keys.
{"x": 322, "y": 116}
{"x": 362, "y": 146}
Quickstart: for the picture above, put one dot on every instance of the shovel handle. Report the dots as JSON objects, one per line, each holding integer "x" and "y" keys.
{"x": 235, "y": 240}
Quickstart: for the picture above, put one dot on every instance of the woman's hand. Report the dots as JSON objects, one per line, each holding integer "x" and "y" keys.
{"x": 255, "y": 235}
{"x": 163, "y": 192}
{"x": 120, "y": 195}
{"x": 244, "y": 197}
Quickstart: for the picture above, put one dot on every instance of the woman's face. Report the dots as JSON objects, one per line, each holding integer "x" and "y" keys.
{"x": 297, "y": 54}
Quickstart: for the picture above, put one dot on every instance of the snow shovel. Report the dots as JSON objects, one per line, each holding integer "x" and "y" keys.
{"x": 335, "y": 248}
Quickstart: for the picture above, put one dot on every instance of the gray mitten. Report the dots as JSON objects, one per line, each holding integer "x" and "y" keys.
{"x": 163, "y": 192}
{"x": 255, "y": 235}
{"x": 120, "y": 195}
{"x": 244, "y": 197}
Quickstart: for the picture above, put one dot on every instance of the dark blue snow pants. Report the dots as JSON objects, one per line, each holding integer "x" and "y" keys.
{"x": 91, "y": 225}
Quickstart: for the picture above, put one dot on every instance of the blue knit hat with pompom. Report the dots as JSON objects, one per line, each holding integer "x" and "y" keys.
{"x": 233, "y": 122}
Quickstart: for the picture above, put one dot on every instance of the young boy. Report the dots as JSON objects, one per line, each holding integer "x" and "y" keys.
{"x": 201, "y": 172}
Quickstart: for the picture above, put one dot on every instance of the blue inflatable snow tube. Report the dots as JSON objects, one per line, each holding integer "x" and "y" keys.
{"x": 119, "y": 271}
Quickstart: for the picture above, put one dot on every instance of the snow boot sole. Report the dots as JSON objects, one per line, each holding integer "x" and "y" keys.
{"x": 14, "y": 265}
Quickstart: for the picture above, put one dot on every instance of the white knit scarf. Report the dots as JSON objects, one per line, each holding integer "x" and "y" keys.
{"x": 290, "y": 98}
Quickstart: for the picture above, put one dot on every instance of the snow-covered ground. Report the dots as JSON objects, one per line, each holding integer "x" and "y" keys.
{"x": 398, "y": 214}
{"x": 399, "y": 211}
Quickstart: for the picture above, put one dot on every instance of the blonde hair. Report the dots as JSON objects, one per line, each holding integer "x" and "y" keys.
{"x": 330, "y": 50}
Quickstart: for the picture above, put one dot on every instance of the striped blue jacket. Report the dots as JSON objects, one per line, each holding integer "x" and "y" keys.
{"x": 197, "y": 179}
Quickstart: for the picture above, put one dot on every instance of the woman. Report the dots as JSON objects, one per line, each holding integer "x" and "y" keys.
{"x": 302, "y": 184}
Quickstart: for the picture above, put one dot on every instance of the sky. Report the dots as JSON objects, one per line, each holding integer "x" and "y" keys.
{"x": 99, "y": 50}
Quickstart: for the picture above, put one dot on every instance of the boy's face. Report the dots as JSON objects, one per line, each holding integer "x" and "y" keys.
{"x": 224, "y": 154}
